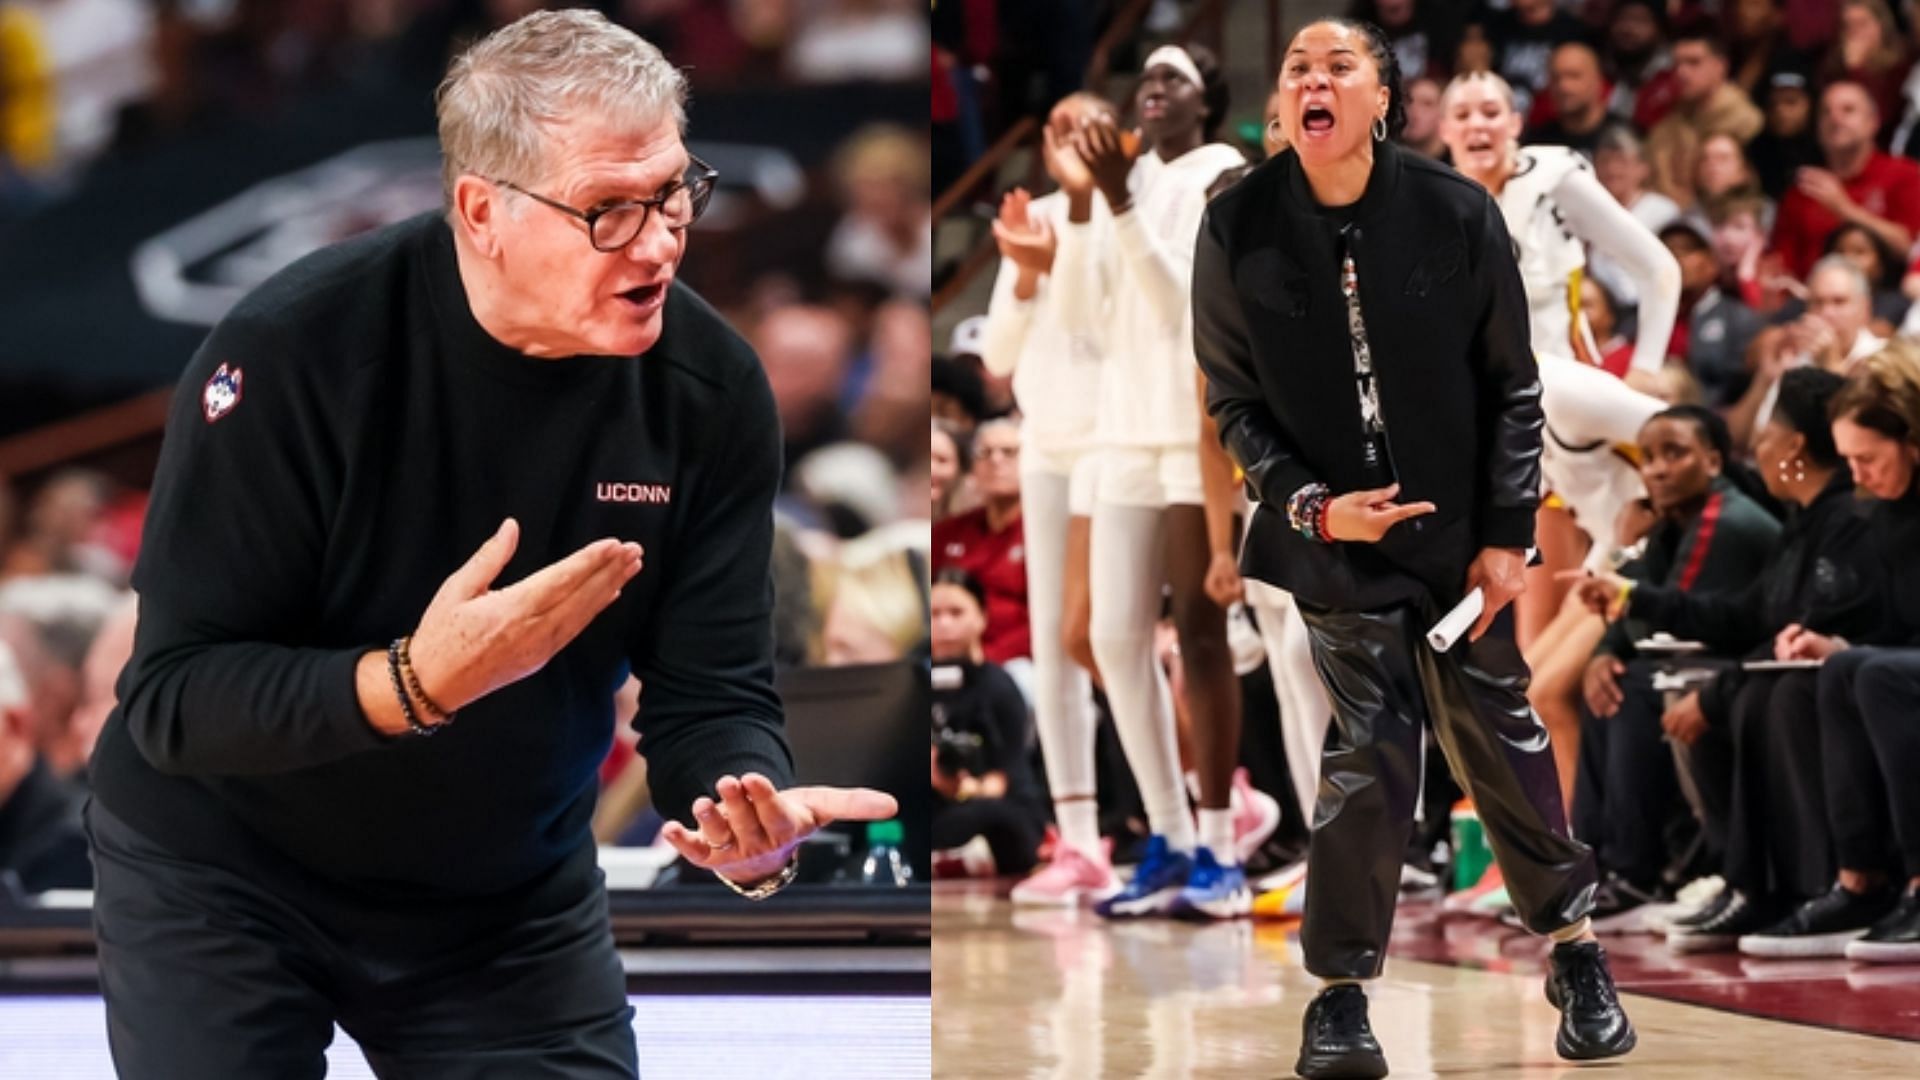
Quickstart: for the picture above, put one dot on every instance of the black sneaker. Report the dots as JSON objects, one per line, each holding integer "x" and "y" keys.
{"x": 1592, "y": 1023}
{"x": 1338, "y": 1043}
{"x": 1822, "y": 926}
{"x": 1616, "y": 906}
{"x": 1739, "y": 916}
{"x": 1894, "y": 939}
{"x": 1710, "y": 910}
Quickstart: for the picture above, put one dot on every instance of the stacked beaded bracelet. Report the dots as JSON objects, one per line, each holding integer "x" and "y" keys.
{"x": 1307, "y": 512}
{"x": 407, "y": 689}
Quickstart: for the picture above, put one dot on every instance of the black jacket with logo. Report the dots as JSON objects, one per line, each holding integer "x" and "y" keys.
{"x": 1446, "y": 320}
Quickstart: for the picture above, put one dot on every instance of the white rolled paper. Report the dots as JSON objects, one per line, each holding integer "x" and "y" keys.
{"x": 1457, "y": 622}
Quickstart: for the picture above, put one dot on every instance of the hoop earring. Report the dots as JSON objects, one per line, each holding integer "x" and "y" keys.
{"x": 1274, "y": 130}
{"x": 1379, "y": 129}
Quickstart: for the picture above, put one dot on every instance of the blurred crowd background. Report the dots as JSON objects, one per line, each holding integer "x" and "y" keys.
{"x": 159, "y": 157}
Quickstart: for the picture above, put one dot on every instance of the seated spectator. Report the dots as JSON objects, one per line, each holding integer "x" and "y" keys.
{"x": 1709, "y": 536}
{"x": 67, "y": 750}
{"x": 1870, "y": 693}
{"x": 807, "y": 352}
{"x": 1706, "y": 104}
{"x": 1603, "y": 318}
{"x": 984, "y": 783}
{"x": 1869, "y": 51}
{"x": 1620, "y": 164}
{"x": 949, "y": 464}
{"x": 989, "y": 543}
{"x": 1752, "y": 754}
{"x": 1421, "y": 134}
{"x": 878, "y": 609}
{"x": 42, "y": 844}
{"x": 1756, "y": 39}
{"x": 1722, "y": 171}
{"x": 1882, "y": 268}
{"x": 1903, "y": 132}
{"x": 1787, "y": 142}
{"x": 1577, "y": 92}
{"x": 1524, "y": 36}
{"x": 1747, "y": 271}
{"x": 1833, "y": 335}
{"x": 886, "y": 234}
{"x": 1422, "y": 34}
{"x": 1714, "y": 328}
{"x": 1859, "y": 183}
{"x": 58, "y": 522}
{"x": 1640, "y": 62}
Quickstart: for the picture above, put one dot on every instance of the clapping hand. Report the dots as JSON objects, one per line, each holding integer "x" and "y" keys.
{"x": 1026, "y": 242}
{"x": 1105, "y": 150}
{"x": 750, "y": 833}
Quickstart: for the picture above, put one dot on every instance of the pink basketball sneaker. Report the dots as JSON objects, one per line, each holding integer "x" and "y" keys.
{"x": 1072, "y": 878}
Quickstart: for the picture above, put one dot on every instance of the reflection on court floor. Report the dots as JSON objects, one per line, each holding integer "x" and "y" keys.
{"x": 1064, "y": 996}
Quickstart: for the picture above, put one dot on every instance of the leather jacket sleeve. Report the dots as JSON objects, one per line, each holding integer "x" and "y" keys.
{"x": 1502, "y": 356}
{"x": 1224, "y": 350}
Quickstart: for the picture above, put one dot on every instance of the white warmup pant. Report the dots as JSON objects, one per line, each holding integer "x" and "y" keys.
{"x": 1126, "y": 577}
{"x": 1062, "y": 692}
{"x": 1305, "y": 712}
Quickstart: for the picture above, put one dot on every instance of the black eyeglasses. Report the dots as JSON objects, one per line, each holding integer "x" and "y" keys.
{"x": 612, "y": 227}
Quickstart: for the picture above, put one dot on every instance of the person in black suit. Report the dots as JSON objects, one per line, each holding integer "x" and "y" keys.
{"x": 1360, "y": 318}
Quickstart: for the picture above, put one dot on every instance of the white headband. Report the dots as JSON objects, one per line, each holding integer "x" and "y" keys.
{"x": 1176, "y": 58}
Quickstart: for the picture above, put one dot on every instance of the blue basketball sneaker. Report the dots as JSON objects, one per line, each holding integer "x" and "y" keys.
{"x": 1156, "y": 884}
{"x": 1214, "y": 891}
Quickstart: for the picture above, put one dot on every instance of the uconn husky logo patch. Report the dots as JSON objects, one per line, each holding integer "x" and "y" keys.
{"x": 222, "y": 393}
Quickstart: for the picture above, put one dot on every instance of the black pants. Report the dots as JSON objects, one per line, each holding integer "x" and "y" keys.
{"x": 1012, "y": 828}
{"x": 1870, "y": 752}
{"x": 1777, "y": 843}
{"x": 210, "y": 973}
{"x": 1386, "y": 684}
{"x": 1627, "y": 790}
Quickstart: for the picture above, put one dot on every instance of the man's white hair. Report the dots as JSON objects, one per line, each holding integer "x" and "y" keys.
{"x": 500, "y": 96}
{"x": 1840, "y": 264}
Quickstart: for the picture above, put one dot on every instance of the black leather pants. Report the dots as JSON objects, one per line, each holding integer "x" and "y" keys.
{"x": 1386, "y": 683}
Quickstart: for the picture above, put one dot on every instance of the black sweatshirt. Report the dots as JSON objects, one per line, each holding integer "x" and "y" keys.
{"x": 344, "y": 440}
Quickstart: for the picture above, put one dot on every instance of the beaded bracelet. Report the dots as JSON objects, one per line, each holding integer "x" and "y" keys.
{"x": 439, "y": 714}
{"x": 1307, "y": 512}
{"x": 400, "y": 691}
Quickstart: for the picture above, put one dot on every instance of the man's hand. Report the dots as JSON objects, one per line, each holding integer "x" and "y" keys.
{"x": 1104, "y": 150}
{"x": 1825, "y": 188}
{"x": 1501, "y": 575}
{"x": 749, "y": 834}
{"x": 1684, "y": 723}
{"x": 1601, "y": 684}
{"x": 474, "y": 640}
{"x": 1599, "y": 593}
{"x": 1365, "y": 516}
{"x": 1223, "y": 582}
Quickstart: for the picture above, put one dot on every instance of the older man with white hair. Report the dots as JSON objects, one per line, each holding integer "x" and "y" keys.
{"x": 1834, "y": 334}
{"x": 279, "y": 843}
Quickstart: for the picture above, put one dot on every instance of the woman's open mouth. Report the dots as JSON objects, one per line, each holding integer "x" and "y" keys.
{"x": 1316, "y": 120}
